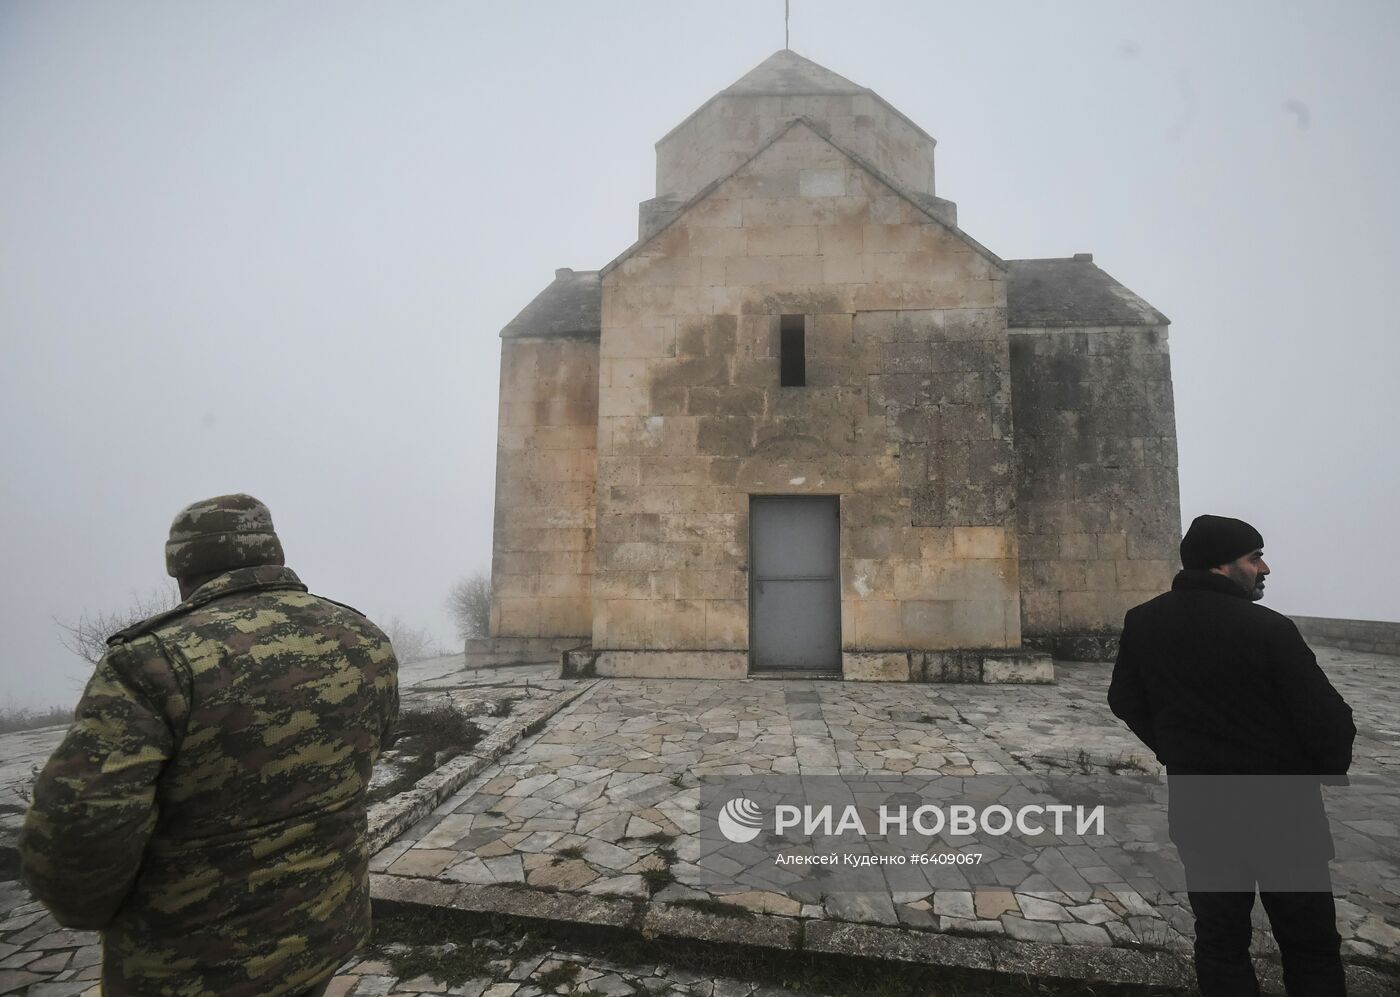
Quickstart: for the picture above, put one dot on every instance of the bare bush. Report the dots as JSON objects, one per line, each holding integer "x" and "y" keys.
{"x": 13, "y": 719}
{"x": 470, "y": 605}
{"x": 411, "y": 643}
{"x": 87, "y": 636}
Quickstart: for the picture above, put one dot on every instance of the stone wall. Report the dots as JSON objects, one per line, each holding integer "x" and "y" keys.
{"x": 546, "y": 457}
{"x": 1097, "y": 499}
{"x": 718, "y": 138}
{"x": 906, "y": 412}
{"x": 1376, "y": 636}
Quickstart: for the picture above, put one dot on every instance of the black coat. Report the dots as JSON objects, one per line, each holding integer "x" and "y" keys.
{"x": 1215, "y": 683}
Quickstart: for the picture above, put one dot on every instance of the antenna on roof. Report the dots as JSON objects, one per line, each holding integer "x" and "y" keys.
{"x": 787, "y": 10}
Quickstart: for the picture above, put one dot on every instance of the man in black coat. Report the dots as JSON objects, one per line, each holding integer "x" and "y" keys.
{"x": 1218, "y": 686}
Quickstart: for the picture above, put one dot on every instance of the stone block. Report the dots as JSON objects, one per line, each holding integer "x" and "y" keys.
{"x": 926, "y": 621}
{"x": 780, "y": 240}
{"x": 828, "y": 182}
{"x": 979, "y": 623}
{"x": 875, "y": 667}
{"x": 1026, "y": 668}
{"x": 1112, "y": 546}
{"x": 878, "y": 623}
{"x": 725, "y": 435}
{"x": 1100, "y": 576}
{"x": 800, "y": 211}
{"x": 951, "y": 666}
{"x": 678, "y": 623}
{"x": 983, "y": 542}
{"x": 1040, "y": 611}
{"x": 1144, "y": 575}
{"x": 844, "y": 241}
{"x": 1078, "y": 546}
{"x": 727, "y": 620}
{"x": 1093, "y": 610}
{"x": 897, "y": 237}
{"x": 714, "y": 241}
{"x": 715, "y": 212}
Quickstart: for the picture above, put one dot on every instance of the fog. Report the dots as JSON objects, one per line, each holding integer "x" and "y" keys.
{"x": 269, "y": 248}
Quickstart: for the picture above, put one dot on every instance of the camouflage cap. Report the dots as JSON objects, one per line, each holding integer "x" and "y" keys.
{"x": 220, "y": 534}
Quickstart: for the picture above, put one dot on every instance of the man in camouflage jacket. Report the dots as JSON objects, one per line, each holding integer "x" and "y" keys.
{"x": 206, "y": 811}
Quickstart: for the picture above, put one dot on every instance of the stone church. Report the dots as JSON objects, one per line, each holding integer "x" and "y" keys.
{"x": 807, "y": 424}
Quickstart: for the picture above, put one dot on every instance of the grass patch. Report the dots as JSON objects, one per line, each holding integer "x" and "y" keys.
{"x": 555, "y": 978}
{"x": 657, "y": 879}
{"x": 422, "y": 942}
{"x": 1126, "y": 763}
{"x": 717, "y": 907}
{"x": 571, "y": 852}
{"x": 425, "y": 739}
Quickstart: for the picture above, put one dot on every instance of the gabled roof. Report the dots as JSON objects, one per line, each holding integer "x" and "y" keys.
{"x": 787, "y": 74}
{"x": 1071, "y": 292}
{"x": 863, "y": 163}
{"x": 571, "y": 306}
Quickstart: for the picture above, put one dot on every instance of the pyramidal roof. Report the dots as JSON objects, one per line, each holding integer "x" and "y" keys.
{"x": 786, "y": 72}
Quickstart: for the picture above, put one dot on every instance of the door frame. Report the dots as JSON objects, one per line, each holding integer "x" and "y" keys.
{"x": 753, "y": 574}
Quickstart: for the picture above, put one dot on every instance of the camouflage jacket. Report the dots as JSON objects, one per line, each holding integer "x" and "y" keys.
{"x": 206, "y": 810}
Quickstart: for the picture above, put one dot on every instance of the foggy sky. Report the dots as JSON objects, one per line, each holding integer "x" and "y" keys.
{"x": 269, "y": 248}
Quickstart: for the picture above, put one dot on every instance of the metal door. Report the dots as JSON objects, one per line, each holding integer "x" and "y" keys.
{"x": 795, "y": 594}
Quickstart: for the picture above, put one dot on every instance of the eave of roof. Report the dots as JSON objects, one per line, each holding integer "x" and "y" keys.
{"x": 570, "y": 306}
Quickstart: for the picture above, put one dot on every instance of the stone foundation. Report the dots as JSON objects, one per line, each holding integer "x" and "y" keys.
{"x": 488, "y": 652}
{"x": 998, "y": 666}
{"x": 1075, "y": 646}
{"x": 587, "y": 662}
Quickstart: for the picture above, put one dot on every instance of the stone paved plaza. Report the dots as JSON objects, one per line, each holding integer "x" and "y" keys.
{"x": 606, "y": 801}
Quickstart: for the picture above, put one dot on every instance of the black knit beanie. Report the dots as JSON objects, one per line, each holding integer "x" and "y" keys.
{"x": 1215, "y": 540}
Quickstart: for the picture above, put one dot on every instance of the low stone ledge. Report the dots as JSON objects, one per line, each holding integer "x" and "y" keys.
{"x": 492, "y": 652}
{"x": 389, "y": 819}
{"x": 1373, "y": 636}
{"x": 504, "y": 901}
{"x": 994, "y": 666}
{"x": 587, "y": 662}
{"x": 787, "y": 937}
{"x": 1075, "y": 646}
{"x": 690, "y": 924}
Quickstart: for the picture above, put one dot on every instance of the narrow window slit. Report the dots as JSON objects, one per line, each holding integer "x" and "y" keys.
{"x": 792, "y": 362}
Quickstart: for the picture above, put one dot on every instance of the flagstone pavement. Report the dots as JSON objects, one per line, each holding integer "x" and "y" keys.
{"x": 606, "y": 800}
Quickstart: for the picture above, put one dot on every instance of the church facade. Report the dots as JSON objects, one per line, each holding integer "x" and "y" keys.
{"x": 807, "y": 424}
